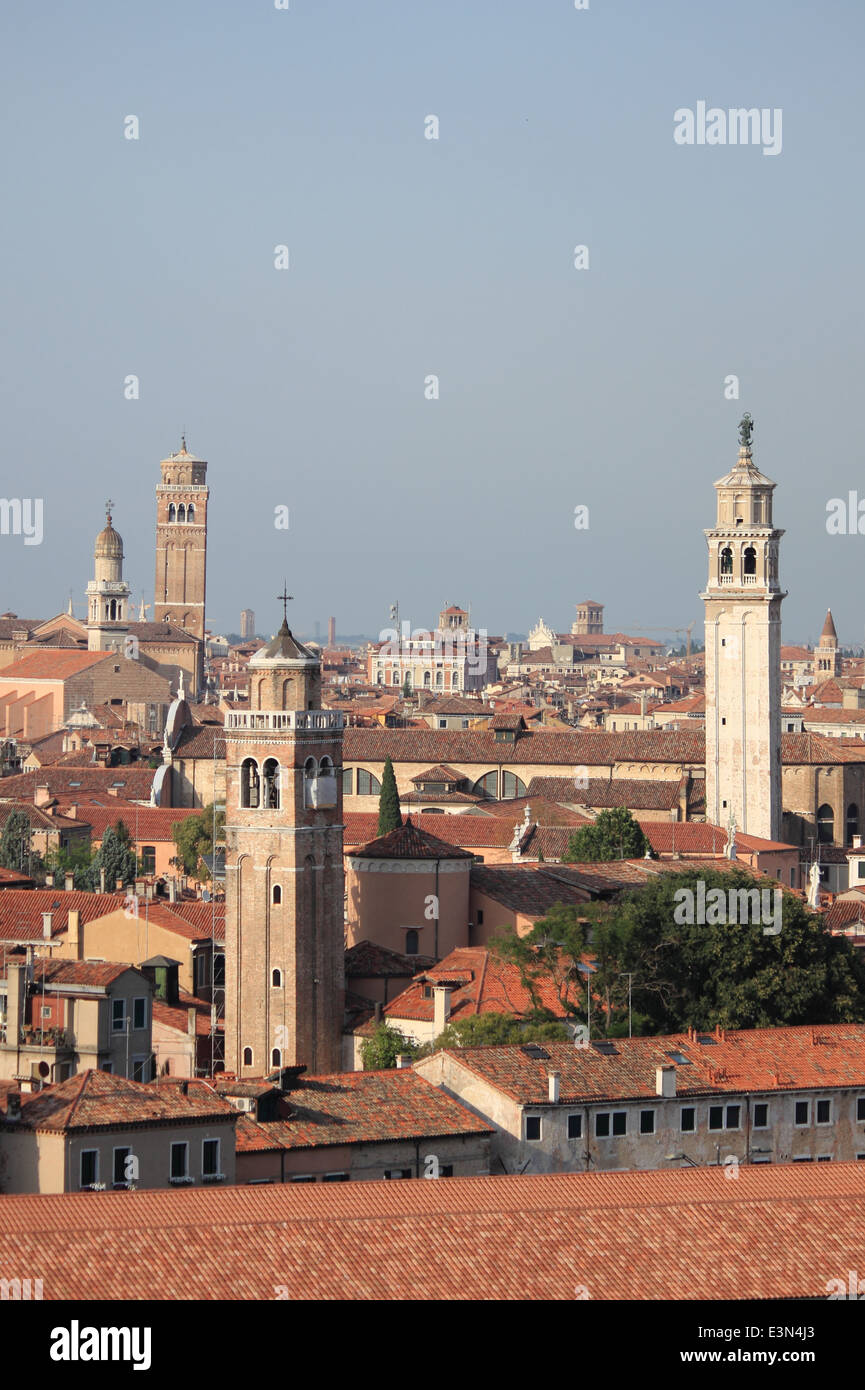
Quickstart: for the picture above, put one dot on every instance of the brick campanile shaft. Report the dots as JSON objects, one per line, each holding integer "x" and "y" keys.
{"x": 181, "y": 543}
{"x": 284, "y": 956}
{"x": 743, "y": 652}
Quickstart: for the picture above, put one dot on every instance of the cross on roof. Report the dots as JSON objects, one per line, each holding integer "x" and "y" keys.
{"x": 108, "y": 505}
{"x": 285, "y": 598}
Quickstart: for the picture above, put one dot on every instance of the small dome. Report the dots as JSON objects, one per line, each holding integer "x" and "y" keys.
{"x": 109, "y": 543}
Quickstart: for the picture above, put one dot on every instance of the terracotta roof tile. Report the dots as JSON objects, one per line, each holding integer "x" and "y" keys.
{"x": 100, "y": 1100}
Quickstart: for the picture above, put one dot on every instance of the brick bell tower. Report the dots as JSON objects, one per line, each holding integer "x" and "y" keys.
{"x": 285, "y": 943}
{"x": 742, "y": 601}
{"x": 181, "y": 542}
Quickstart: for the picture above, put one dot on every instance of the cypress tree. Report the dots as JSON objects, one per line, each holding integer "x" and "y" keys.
{"x": 389, "y": 812}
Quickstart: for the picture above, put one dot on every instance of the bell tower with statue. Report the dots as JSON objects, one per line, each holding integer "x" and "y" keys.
{"x": 284, "y": 923}
{"x": 743, "y": 652}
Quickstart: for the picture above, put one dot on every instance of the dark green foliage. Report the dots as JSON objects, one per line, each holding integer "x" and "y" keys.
{"x": 116, "y": 856}
{"x": 193, "y": 838}
{"x": 15, "y": 842}
{"x": 493, "y": 1030}
{"x": 389, "y": 812}
{"x": 614, "y": 835}
{"x": 380, "y": 1051}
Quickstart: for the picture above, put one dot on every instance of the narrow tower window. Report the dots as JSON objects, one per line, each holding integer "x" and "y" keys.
{"x": 247, "y": 1056}
{"x": 750, "y": 560}
{"x": 276, "y": 895}
{"x": 249, "y": 783}
{"x": 172, "y": 512}
{"x": 181, "y": 513}
{"x": 726, "y": 560}
{"x": 190, "y": 514}
{"x": 276, "y": 979}
{"x": 825, "y": 825}
{"x": 271, "y": 785}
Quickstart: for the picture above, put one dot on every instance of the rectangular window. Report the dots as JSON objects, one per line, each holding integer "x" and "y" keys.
{"x": 824, "y": 1112}
{"x": 602, "y": 1125}
{"x": 89, "y": 1167}
{"x": 761, "y": 1160}
{"x": 824, "y": 1158}
{"x": 148, "y": 859}
{"x": 335, "y": 1177}
{"x": 446, "y": 1170}
{"x": 179, "y": 1160}
{"x": 141, "y": 1069}
{"x": 303, "y": 1179}
{"x": 733, "y": 1113}
{"x": 761, "y": 1115}
{"x": 647, "y": 1121}
{"x": 481, "y": 922}
{"x": 443, "y": 723}
{"x": 575, "y": 1126}
{"x": 397, "y": 1172}
{"x": 687, "y": 1122}
{"x": 139, "y": 1013}
{"x": 716, "y": 1117}
{"x": 620, "y": 1122}
{"x": 118, "y": 1015}
{"x": 533, "y": 1126}
{"x": 802, "y": 1158}
{"x": 860, "y": 1108}
{"x": 120, "y": 1157}
{"x": 209, "y": 1158}
{"x": 803, "y": 1112}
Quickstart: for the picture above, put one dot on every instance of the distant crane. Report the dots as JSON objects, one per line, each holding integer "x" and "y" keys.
{"x": 652, "y": 631}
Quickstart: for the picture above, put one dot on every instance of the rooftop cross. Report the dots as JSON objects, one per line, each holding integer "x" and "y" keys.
{"x": 108, "y": 505}
{"x": 285, "y": 598}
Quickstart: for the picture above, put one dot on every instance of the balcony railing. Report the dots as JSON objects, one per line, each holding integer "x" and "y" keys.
{"x": 276, "y": 719}
{"x": 57, "y": 1039}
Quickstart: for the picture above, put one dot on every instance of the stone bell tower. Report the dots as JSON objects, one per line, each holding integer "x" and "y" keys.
{"x": 743, "y": 652}
{"x": 285, "y": 937}
{"x": 107, "y": 592}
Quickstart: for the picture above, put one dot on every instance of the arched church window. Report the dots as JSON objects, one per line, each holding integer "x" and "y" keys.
{"x": 347, "y": 781}
{"x": 727, "y": 560}
{"x": 750, "y": 566}
{"x": 852, "y": 821}
{"x": 247, "y": 1056}
{"x": 440, "y": 678}
{"x": 512, "y": 786}
{"x": 367, "y": 783}
{"x": 112, "y": 609}
{"x": 181, "y": 513}
{"x": 486, "y": 785}
{"x": 249, "y": 783}
{"x": 172, "y": 512}
{"x": 325, "y": 767}
{"x": 276, "y": 979}
{"x": 427, "y": 679}
{"x": 270, "y": 778}
{"x": 310, "y": 767}
{"x": 276, "y": 1058}
{"x": 825, "y": 825}
{"x": 190, "y": 513}
{"x": 276, "y": 895}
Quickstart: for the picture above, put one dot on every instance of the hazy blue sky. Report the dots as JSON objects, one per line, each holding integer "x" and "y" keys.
{"x": 409, "y": 256}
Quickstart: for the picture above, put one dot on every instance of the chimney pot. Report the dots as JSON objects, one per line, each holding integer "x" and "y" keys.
{"x": 403, "y": 1061}
{"x": 553, "y": 1079}
{"x": 665, "y": 1081}
{"x": 69, "y": 883}
{"x": 441, "y": 1008}
{"x": 190, "y": 1021}
{"x": 47, "y": 919}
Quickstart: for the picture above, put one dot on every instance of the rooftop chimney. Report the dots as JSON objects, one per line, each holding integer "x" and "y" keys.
{"x": 69, "y": 883}
{"x": 441, "y": 1008}
{"x": 13, "y": 1107}
{"x": 73, "y": 932}
{"x": 190, "y": 1021}
{"x": 47, "y": 918}
{"x": 42, "y": 795}
{"x": 665, "y": 1081}
{"x": 857, "y": 841}
{"x": 403, "y": 1060}
{"x": 553, "y": 1087}
{"x": 119, "y": 885}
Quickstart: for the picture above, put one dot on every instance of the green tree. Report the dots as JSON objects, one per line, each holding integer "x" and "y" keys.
{"x": 381, "y": 1050}
{"x": 194, "y": 837}
{"x": 549, "y": 955}
{"x": 15, "y": 842}
{"x": 614, "y": 835}
{"x": 495, "y": 1030}
{"x": 406, "y": 688}
{"x": 116, "y": 857}
{"x": 692, "y": 974}
{"x": 77, "y": 861}
{"x": 389, "y": 811}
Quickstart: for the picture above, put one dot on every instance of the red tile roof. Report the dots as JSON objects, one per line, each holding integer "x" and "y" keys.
{"x": 131, "y": 782}
{"x": 66, "y": 974}
{"x": 409, "y": 841}
{"x": 100, "y": 1100}
{"x": 21, "y": 910}
{"x": 54, "y": 665}
{"x": 699, "y": 837}
{"x": 733, "y": 1062}
{"x": 143, "y": 822}
{"x": 368, "y": 960}
{"x": 638, "y": 1232}
{"x": 366, "y": 1107}
{"x": 481, "y": 984}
